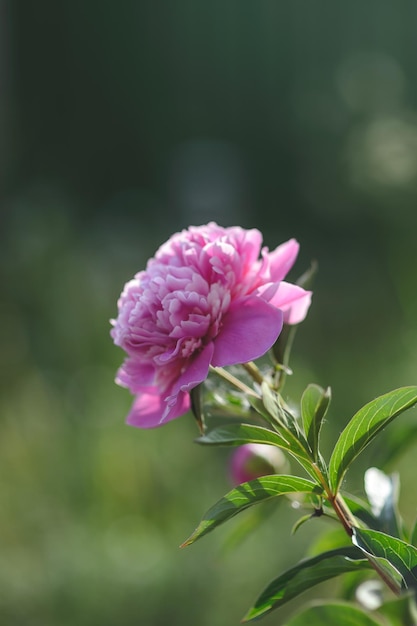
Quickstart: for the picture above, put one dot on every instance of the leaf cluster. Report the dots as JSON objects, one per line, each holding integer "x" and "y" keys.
{"x": 375, "y": 537}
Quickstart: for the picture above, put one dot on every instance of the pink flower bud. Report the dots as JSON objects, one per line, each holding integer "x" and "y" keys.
{"x": 253, "y": 460}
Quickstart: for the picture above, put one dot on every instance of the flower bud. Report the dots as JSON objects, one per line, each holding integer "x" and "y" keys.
{"x": 253, "y": 460}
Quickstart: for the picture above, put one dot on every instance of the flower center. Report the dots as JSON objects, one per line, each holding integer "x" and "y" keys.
{"x": 189, "y": 346}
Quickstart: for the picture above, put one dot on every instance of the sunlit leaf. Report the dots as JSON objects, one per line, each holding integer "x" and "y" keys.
{"x": 305, "y": 575}
{"x": 282, "y": 417}
{"x": 314, "y": 404}
{"x": 399, "y": 554}
{"x": 248, "y": 494}
{"x": 281, "y": 414}
{"x": 239, "y": 434}
{"x": 273, "y": 406}
{"x": 335, "y": 613}
{"x": 364, "y": 426}
{"x": 301, "y": 521}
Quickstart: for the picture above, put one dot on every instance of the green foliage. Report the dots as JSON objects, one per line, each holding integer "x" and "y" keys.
{"x": 196, "y": 407}
{"x": 273, "y": 404}
{"x": 364, "y": 426}
{"x": 238, "y": 434}
{"x": 337, "y": 613}
{"x": 360, "y": 509}
{"x": 393, "y": 559}
{"x": 314, "y": 404}
{"x": 305, "y": 575}
{"x": 248, "y": 494}
{"x": 400, "y": 555}
{"x": 326, "y": 135}
{"x": 399, "y": 612}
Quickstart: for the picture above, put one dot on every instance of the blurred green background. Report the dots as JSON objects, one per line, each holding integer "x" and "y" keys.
{"x": 122, "y": 122}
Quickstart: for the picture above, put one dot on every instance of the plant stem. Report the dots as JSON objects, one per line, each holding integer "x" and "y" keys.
{"x": 349, "y": 524}
{"x": 343, "y": 514}
{"x": 281, "y": 351}
{"x": 253, "y": 371}
{"x": 384, "y": 576}
{"x": 233, "y": 381}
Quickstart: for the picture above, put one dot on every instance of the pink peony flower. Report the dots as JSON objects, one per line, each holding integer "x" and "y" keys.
{"x": 206, "y": 298}
{"x": 256, "y": 459}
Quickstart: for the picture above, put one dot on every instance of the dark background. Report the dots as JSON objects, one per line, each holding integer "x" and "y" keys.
{"x": 121, "y": 123}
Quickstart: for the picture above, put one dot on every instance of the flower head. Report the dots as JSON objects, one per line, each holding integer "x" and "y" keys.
{"x": 253, "y": 460}
{"x": 205, "y": 298}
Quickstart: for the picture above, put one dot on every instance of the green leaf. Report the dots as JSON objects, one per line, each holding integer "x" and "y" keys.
{"x": 259, "y": 407}
{"x": 401, "y": 611}
{"x": 281, "y": 349}
{"x": 314, "y": 404}
{"x": 196, "y": 407}
{"x": 360, "y": 509}
{"x": 331, "y": 539}
{"x": 337, "y": 613}
{"x": 273, "y": 406}
{"x": 247, "y": 524}
{"x": 364, "y": 426}
{"x": 248, "y": 494}
{"x": 301, "y": 521}
{"x": 238, "y": 434}
{"x": 400, "y": 555}
{"x": 282, "y": 417}
{"x": 304, "y": 575}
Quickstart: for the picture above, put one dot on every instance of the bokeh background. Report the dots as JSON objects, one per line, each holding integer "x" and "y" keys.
{"x": 120, "y": 123}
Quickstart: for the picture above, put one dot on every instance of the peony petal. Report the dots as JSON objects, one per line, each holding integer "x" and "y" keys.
{"x": 293, "y": 300}
{"x": 250, "y": 328}
{"x": 282, "y": 259}
{"x": 135, "y": 375}
{"x": 148, "y": 410}
{"x": 196, "y": 372}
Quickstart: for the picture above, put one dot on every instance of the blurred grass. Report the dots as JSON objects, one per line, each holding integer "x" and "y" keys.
{"x": 122, "y": 125}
